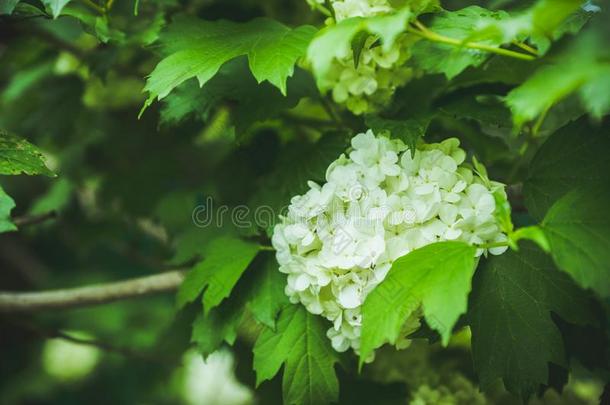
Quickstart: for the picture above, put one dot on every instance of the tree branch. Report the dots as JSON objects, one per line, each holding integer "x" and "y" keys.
{"x": 56, "y": 334}
{"x": 90, "y": 295}
{"x": 27, "y": 220}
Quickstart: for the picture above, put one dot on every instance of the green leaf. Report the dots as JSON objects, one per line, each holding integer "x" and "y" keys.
{"x": 551, "y": 19}
{"x": 55, "y": 5}
{"x": 56, "y": 198}
{"x": 513, "y": 335}
{"x": 6, "y": 205}
{"x": 572, "y": 157}
{"x": 25, "y": 80}
{"x": 26, "y": 10}
{"x": 190, "y": 243}
{"x": 149, "y": 31}
{"x": 487, "y": 110}
{"x": 198, "y": 48}
{"x": 544, "y": 22}
{"x": 7, "y": 6}
{"x": 234, "y": 84}
{"x": 301, "y": 344}
{"x": 96, "y": 25}
{"x": 224, "y": 260}
{"x": 105, "y": 33}
{"x": 268, "y": 297}
{"x": 410, "y": 131}
{"x": 218, "y": 326}
{"x": 595, "y": 94}
{"x": 580, "y": 69}
{"x": 578, "y": 229}
{"x": 436, "y": 277}
{"x": 541, "y": 23}
{"x": 498, "y": 69}
{"x": 335, "y": 41}
{"x": 549, "y": 85}
{"x": 261, "y": 290}
{"x": 547, "y": 15}
{"x": 19, "y": 156}
{"x": 534, "y": 233}
{"x": 357, "y": 45}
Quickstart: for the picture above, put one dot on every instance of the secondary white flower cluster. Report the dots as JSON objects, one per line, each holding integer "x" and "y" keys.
{"x": 339, "y": 240}
{"x": 369, "y": 84}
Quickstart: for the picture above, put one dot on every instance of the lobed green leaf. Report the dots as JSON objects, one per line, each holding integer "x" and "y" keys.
{"x": 6, "y": 205}
{"x": 224, "y": 260}
{"x": 300, "y": 343}
{"x": 19, "y": 156}
{"x": 572, "y": 157}
{"x": 577, "y": 227}
{"x": 268, "y": 297}
{"x": 410, "y": 131}
{"x": 198, "y": 48}
{"x": 435, "y": 277}
{"x": 513, "y": 335}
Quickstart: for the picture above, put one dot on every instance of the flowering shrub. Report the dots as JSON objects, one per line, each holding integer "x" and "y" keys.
{"x": 381, "y": 201}
{"x": 285, "y": 167}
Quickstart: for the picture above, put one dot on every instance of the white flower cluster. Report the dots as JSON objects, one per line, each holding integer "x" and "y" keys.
{"x": 368, "y": 85}
{"x": 339, "y": 240}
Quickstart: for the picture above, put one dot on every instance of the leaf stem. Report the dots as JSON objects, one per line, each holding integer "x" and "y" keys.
{"x": 94, "y": 6}
{"x": 424, "y": 32}
{"x": 539, "y": 122}
{"x": 322, "y": 9}
{"x": 526, "y": 47}
{"x": 266, "y": 248}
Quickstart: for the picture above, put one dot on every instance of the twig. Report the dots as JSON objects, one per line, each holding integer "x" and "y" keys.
{"x": 90, "y": 295}
{"x": 57, "y": 334}
{"x": 424, "y": 32}
{"x": 101, "y": 345}
{"x": 27, "y": 220}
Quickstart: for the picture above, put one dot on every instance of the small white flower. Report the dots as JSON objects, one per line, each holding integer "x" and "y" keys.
{"x": 350, "y": 297}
